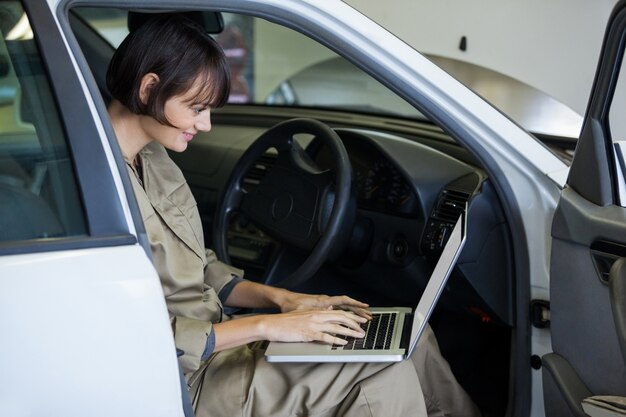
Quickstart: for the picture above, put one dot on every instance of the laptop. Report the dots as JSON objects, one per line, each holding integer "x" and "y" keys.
{"x": 392, "y": 334}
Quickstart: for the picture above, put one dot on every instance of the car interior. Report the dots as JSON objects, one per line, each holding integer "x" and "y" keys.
{"x": 371, "y": 226}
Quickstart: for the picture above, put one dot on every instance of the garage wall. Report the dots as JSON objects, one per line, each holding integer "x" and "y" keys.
{"x": 552, "y": 45}
{"x": 274, "y": 45}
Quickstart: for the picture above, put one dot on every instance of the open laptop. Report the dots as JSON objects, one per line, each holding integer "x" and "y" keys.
{"x": 392, "y": 334}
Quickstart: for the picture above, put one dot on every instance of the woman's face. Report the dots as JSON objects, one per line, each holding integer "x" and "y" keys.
{"x": 187, "y": 114}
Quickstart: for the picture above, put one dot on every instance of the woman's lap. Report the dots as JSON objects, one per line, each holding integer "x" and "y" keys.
{"x": 241, "y": 382}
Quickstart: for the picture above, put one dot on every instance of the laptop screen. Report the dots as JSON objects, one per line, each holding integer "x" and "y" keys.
{"x": 438, "y": 279}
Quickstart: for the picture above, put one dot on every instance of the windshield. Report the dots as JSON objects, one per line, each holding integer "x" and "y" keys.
{"x": 274, "y": 66}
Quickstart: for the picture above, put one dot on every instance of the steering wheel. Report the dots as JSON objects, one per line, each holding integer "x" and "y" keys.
{"x": 296, "y": 203}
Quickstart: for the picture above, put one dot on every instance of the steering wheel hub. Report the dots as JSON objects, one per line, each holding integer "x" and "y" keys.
{"x": 282, "y": 206}
{"x": 298, "y": 203}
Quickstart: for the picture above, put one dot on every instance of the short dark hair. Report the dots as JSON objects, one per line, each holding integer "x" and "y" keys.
{"x": 179, "y": 51}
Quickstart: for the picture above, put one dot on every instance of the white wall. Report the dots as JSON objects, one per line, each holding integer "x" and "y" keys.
{"x": 552, "y": 45}
{"x": 275, "y": 63}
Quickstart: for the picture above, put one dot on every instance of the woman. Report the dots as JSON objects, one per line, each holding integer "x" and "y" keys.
{"x": 162, "y": 97}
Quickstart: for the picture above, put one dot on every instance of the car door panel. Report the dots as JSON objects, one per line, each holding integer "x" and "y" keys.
{"x": 71, "y": 304}
{"x": 564, "y": 389}
{"x": 578, "y": 226}
{"x": 588, "y": 246}
{"x": 583, "y": 327}
{"x": 79, "y": 283}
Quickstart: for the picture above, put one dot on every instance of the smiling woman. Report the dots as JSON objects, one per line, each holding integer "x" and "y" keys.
{"x": 163, "y": 109}
{"x": 389, "y": 206}
{"x": 176, "y": 91}
{"x": 182, "y": 118}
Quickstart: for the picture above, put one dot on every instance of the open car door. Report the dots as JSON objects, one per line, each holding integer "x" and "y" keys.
{"x": 588, "y": 259}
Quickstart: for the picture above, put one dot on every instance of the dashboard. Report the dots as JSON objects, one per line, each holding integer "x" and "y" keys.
{"x": 379, "y": 182}
{"x": 408, "y": 196}
{"x": 412, "y": 196}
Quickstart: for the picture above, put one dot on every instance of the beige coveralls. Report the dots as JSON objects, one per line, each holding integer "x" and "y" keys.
{"x": 239, "y": 381}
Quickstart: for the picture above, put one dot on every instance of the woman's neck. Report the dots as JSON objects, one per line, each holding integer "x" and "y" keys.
{"x": 127, "y": 126}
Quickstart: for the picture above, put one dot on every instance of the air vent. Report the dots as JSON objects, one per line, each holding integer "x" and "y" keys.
{"x": 450, "y": 205}
{"x": 259, "y": 170}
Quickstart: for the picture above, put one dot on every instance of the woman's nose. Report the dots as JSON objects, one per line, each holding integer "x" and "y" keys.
{"x": 204, "y": 122}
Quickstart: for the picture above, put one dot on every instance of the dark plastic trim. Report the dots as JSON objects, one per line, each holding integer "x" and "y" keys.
{"x": 71, "y": 243}
{"x": 617, "y": 295}
{"x": 92, "y": 86}
{"x": 571, "y": 387}
{"x": 589, "y": 175}
{"x": 578, "y": 220}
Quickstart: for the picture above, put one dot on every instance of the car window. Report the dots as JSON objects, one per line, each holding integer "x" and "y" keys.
{"x": 274, "y": 65}
{"x": 109, "y": 23}
{"x": 39, "y": 198}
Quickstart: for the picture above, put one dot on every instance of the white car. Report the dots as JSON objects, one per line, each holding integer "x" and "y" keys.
{"x": 531, "y": 321}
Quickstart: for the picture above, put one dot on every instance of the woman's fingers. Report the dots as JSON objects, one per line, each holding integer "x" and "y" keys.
{"x": 332, "y": 334}
{"x": 340, "y": 323}
{"x": 330, "y": 339}
{"x": 302, "y": 302}
{"x": 344, "y": 300}
{"x": 347, "y": 318}
{"x": 338, "y": 329}
{"x": 328, "y": 326}
{"x": 359, "y": 311}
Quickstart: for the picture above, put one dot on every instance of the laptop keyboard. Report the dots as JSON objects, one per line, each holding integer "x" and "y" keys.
{"x": 378, "y": 334}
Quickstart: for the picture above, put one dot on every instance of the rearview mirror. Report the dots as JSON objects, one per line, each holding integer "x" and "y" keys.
{"x": 213, "y": 22}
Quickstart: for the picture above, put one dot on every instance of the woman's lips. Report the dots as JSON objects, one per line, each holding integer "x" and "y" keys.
{"x": 188, "y": 136}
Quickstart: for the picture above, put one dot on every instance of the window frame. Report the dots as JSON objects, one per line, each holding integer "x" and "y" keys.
{"x": 105, "y": 218}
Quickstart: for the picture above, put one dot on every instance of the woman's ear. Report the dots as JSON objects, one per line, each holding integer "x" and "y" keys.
{"x": 147, "y": 82}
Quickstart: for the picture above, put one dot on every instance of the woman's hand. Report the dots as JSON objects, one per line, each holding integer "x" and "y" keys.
{"x": 249, "y": 294}
{"x": 312, "y": 326}
{"x": 304, "y": 318}
{"x": 299, "y": 302}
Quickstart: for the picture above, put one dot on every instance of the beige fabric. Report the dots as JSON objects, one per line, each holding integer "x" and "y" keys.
{"x": 239, "y": 381}
{"x": 251, "y": 386}
{"x": 442, "y": 393}
{"x": 185, "y": 268}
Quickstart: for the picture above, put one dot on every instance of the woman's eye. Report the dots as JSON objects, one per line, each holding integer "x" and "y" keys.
{"x": 199, "y": 110}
